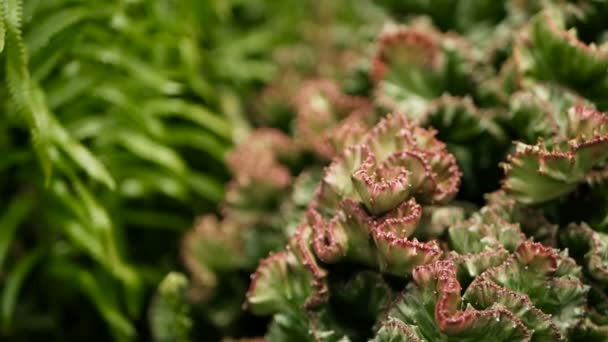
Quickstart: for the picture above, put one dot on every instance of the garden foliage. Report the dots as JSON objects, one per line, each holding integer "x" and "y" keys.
{"x": 443, "y": 181}
{"x": 116, "y": 118}
{"x": 421, "y": 170}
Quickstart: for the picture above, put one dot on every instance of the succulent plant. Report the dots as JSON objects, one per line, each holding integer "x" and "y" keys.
{"x": 399, "y": 223}
{"x": 372, "y": 191}
{"x": 553, "y": 168}
{"x": 329, "y": 120}
{"x": 532, "y": 294}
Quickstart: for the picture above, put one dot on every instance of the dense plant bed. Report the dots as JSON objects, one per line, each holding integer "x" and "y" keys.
{"x": 443, "y": 181}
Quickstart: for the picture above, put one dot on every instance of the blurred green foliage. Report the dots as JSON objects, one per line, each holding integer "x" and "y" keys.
{"x": 116, "y": 116}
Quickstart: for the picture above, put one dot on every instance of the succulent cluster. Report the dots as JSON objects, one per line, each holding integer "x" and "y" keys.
{"x": 406, "y": 211}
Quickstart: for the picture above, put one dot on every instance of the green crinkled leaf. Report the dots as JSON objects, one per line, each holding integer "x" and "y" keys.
{"x": 486, "y": 229}
{"x": 545, "y": 171}
{"x": 532, "y": 221}
{"x": 531, "y": 295}
{"x": 290, "y": 285}
{"x": 533, "y": 270}
{"x": 212, "y": 246}
{"x": 368, "y": 193}
{"x": 487, "y": 295}
{"x": 473, "y": 136}
{"x": 557, "y": 55}
{"x": 469, "y": 266}
{"x": 541, "y": 112}
{"x": 590, "y": 247}
{"x": 216, "y": 253}
{"x": 436, "y": 296}
{"x": 394, "y": 330}
{"x": 414, "y": 65}
{"x": 328, "y": 120}
{"x": 459, "y": 121}
{"x": 286, "y": 280}
{"x": 436, "y": 219}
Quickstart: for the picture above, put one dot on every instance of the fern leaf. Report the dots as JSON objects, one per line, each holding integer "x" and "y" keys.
{"x": 42, "y": 33}
{"x": 20, "y": 86}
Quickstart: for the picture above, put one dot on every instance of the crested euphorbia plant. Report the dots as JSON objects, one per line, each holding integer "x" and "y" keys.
{"x": 407, "y": 213}
{"x": 533, "y": 294}
{"x": 366, "y": 206}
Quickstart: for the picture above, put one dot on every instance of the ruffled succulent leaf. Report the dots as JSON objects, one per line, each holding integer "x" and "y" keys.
{"x": 395, "y": 161}
{"x": 488, "y": 295}
{"x": 590, "y": 247}
{"x": 550, "y": 52}
{"x": 496, "y": 88}
{"x": 473, "y": 136}
{"x": 529, "y": 295}
{"x": 293, "y": 210}
{"x": 469, "y": 266}
{"x": 252, "y": 203}
{"x": 212, "y": 246}
{"x": 368, "y": 194}
{"x": 288, "y": 327}
{"x": 215, "y": 253}
{"x": 459, "y": 121}
{"x": 329, "y": 120}
{"x": 542, "y": 172}
{"x": 258, "y": 159}
{"x": 354, "y": 235}
{"x": 584, "y": 122}
{"x": 551, "y": 282}
{"x": 414, "y": 65}
{"x": 170, "y": 312}
{"x": 540, "y": 112}
{"x": 271, "y": 290}
{"x": 364, "y": 295}
{"x": 262, "y": 177}
{"x": 291, "y": 286}
{"x": 405, "y": 70}
{"x": 437, "y": 218}
{"x": 288, "y": 279}
{"x": 314, "y": 326}
{"x": 485, "y": 230}
{"x": 394, "y": 330}
{"x": 532, "y": 221}
{"x": 432, "y": 310}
